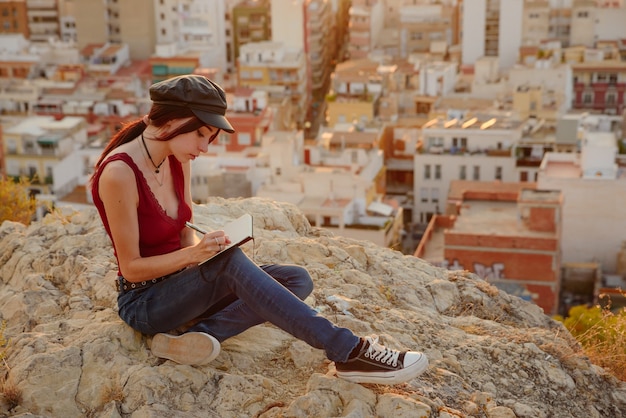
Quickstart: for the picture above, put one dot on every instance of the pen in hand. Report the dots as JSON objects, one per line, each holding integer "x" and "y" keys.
{"x": 196, "y": 228}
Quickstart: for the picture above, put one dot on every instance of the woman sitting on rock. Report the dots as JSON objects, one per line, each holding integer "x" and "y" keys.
{"x": 141, "y": 188}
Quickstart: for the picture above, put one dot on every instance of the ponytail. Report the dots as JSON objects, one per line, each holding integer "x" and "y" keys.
{"x": 129, "y": 131}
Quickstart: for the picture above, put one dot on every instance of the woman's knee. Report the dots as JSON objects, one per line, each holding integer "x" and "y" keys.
{"x": 303, "y": 283}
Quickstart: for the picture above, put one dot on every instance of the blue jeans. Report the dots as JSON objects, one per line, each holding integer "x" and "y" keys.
{"x": 230, "y": 294}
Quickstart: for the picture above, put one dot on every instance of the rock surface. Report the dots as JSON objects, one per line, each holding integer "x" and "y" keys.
{"x": 491, "y": 355}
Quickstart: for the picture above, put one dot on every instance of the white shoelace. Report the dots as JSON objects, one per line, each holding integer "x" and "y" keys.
{"x": 381, "y": 353}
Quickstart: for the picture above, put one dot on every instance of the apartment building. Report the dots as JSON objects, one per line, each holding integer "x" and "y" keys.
{"x": 43, "y": 20}
{"x": 15, "y": 60}
{"x": 478, "y": 148}
{"x": 113, "y": 21}
{"x": 543, "y": 91}
{"x": 34, "y": 145}
{"x": 421, "y": 25}
{"x": 366, "y": 24}
{"x": 322, "y": 46}
{"x": 278, "y": 69}
{"x": 507, "y": 233}
{"x": 249, "y": 111}
{"x": 355, "y": 86}
{"x": 536, "y": 22}
{"x": 593, "y": 187}
{"x": 14, "y": 17}
{"x": 596, "y": 21}
{"x": 251, "y": 22}
{"x": 340, "y": 186}
{"x": 491, "y": 28}
{"x": 600, "y": 86}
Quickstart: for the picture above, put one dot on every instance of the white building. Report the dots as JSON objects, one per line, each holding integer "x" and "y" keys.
{"x": 469, "y": 149}
{"x": 555, "y": 79}
{"x": 594, "y": 195}
{"x": 591, "y": 23}
{"x": 492, "y": 28}
{"x": 192, "y": 27}
{"x": 437, "y": 78}
{"x": 33, "y": 146}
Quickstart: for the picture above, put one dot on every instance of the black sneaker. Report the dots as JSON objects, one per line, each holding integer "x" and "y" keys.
{"x": 376, "y": 363}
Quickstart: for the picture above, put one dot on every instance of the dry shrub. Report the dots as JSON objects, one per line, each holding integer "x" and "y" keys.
{"x": 602, "y": 334}
{"x": 16, "y": 203}
{"x": 12, "y": 394}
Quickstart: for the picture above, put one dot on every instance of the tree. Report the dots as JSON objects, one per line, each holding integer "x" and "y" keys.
{"x": 16, "y": 203}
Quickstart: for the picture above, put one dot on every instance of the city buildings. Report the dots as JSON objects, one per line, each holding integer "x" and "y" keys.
{"x": 367, "y": 115}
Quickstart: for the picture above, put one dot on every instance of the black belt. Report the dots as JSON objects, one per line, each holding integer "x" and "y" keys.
{"x": 123, "y": 285}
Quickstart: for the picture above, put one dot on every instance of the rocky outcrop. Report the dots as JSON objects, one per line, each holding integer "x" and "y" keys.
{"x": 491, "y": 354}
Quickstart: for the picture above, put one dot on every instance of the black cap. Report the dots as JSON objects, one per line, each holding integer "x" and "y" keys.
{"x": 203, "y": 97}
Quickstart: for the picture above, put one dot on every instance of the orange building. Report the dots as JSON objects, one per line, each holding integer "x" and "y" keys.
{"x": 507, "y": 233}
{"x": 13, "y": 17}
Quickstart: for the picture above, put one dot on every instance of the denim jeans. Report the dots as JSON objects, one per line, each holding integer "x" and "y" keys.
{"x": 230, "y": 294}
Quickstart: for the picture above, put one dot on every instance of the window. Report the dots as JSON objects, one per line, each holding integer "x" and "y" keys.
{"x": 243, "y": 138}
{"x": 435, "y": 141}
{"x": 427, "y": 172}
{"x": 459, "y": 142}
{"x": 587, "y": 98}
{"x": 582, "y": 15}
{"x": 223, "y": 138}
{"x": 424, "y": 194}
{"x": 498, "y": 175}
{"x": 476, "y": 172}
{"x": 611, "y": 98}
{"x": 462, "y": 172}
{"x": 437, "y": 171}
{"x": 434, "y": 195}
{"x": 613, "y": 79}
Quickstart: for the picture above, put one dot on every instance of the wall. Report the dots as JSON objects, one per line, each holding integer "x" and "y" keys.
{"x": 525, "y": 263}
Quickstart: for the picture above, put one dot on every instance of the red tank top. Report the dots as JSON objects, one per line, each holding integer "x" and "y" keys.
{"x": 158, "y": 232}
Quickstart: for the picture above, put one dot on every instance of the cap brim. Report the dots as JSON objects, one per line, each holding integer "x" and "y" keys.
{"x": 214, "y": 119}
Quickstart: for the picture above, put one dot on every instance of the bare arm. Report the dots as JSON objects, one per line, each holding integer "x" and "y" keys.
{"x": 118, "y": 192}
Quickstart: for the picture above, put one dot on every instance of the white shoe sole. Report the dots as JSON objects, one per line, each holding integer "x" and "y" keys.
{"x": 391, "y": 377}
{"x": 192, "y": 348}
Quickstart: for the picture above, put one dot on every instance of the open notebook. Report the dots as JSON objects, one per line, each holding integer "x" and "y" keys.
{"x": 239, "y": 231}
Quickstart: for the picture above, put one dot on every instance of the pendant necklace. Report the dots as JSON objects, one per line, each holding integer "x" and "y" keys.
{"x": 156, "y": 167}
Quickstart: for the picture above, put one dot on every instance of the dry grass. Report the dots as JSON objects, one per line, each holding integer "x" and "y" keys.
{"x": 12, "y": 394}
{"x": 113, "y": 393}
{"x": 602, "y": 335}
{"x": 4, "y": 343}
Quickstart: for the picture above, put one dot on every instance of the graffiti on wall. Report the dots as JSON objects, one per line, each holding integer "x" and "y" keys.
{"x": 454, "y": 266}
{"x": 495, "y": 271}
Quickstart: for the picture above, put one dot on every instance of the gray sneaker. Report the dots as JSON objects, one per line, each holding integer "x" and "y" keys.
{"x": 376, "y": 363}
{"x": 193, "y": 348}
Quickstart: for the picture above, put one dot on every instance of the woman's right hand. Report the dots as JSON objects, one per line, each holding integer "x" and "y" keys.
{"x": 211, "y": 244}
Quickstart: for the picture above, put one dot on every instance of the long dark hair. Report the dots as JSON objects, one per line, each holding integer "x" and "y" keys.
{"x": 159, "y": 115}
